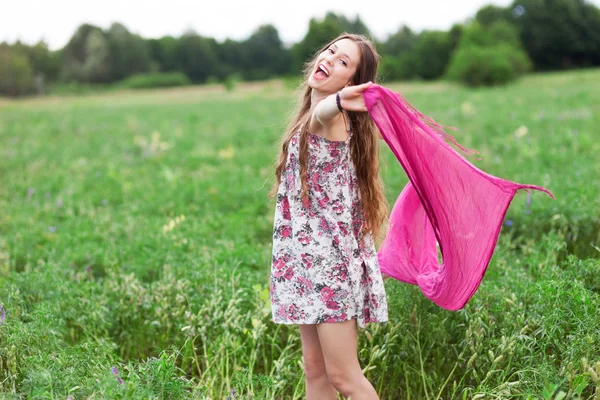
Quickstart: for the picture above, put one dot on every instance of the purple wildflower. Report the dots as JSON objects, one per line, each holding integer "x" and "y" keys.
{"x": 88, "y": 268}
{"x": 2, "y": 315}
{"x": 104, "y": 202}
{"x": 508, "y": 222}
{"x": 59, "y": 203}
{"x": 231, "y": 394}
{"x": 52, "y": 229}
{"x": 30, "y": 192}
{"x": 116, "y": 373}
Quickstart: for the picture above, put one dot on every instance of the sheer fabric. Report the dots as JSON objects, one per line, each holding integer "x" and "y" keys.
{"x": 447, "y": 201}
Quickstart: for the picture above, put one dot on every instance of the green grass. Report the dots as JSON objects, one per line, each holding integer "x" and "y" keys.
{"x": 135, "y": 232}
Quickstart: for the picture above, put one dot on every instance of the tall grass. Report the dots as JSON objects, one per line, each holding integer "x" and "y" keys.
{"x": 135, "y": 247}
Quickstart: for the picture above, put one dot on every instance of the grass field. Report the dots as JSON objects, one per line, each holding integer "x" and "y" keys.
{"x": 135, "y": 248}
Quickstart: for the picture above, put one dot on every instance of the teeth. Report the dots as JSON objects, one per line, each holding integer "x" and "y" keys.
{"x": 324, "y": 70}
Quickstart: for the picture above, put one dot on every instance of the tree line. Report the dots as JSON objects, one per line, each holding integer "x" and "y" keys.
{"x": 494, "y": 46}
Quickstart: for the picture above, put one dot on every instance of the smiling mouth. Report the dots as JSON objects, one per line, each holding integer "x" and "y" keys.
{"x": 321, "y": 72}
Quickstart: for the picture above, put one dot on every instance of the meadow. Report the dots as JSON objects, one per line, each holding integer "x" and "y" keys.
{"x": 135, "y": 249}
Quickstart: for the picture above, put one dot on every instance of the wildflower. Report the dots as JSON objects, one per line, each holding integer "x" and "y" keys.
{"x": 231, "y": 394}
{"x": 52, "y": 229}
{"x": 508, "y": 222}
{"x": 30, "y": 192}
{"x": 116, "y": 373}
{"x": 104, "y": 202}
{"x": 2, "y": 315}
{"x": 521, "y": 131}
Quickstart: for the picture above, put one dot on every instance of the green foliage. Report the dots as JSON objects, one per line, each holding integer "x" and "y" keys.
{"x": 263, "y": 55}
{"x": 557, "y": 34}
{"x": 135, "y": 233}
{"x": 154, "y": 80}
{"x": 231, "y": 82}
{"x": 320, "y": 32}
{"x": 490, "y": 14}
{"x": 86, "y": 58}
{"x": 163, "y": 51}
{"x": 400, "y": 42}
{"x": 129, "y": 53}
{"x": 197, "y": 56}
{"x": 488, "y": 56}
{"x": 424, "y": 56}
{"x": 16, "y": 73}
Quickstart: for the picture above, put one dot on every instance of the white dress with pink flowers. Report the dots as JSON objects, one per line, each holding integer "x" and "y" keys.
{"x": 323, "y": 269}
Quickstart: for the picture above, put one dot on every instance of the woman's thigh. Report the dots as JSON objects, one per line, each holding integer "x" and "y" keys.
{"x": 339, "y": 342}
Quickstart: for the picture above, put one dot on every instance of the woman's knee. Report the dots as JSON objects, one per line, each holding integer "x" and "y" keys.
{"x": 314, "y": 367}
{"x": 343, "y": 380}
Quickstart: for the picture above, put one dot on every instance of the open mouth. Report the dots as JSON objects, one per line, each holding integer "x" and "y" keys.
{"x": 321, "y": 72}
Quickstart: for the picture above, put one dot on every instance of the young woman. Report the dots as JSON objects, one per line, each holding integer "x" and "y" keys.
{"x": 330, "y": 206}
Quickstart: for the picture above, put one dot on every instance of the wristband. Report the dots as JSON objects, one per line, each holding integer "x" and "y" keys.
{"x": 338, "y": 102}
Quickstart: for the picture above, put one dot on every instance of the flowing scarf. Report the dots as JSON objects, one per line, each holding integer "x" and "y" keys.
{"x": 447, "y": 202}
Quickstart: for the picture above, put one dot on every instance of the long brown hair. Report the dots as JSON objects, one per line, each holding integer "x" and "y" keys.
{"x": 364, "y": 146}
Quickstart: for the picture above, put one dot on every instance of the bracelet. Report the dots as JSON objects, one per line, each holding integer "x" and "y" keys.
{"x": 339, "y": 102}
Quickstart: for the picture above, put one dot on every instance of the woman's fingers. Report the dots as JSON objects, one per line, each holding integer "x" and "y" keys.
{"x": 363, "y": 87}
{"x": 354, "y": 91}
{"x": 352, "y": 97}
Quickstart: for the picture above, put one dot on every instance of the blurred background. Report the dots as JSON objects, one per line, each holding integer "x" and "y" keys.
{"x": 69, "y": 46}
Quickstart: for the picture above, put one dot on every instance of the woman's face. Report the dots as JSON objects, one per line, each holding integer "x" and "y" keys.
{"x": 335, "y": 66}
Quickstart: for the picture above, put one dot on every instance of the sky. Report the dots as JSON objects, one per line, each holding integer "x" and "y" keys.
{"x": 56, "y": 21}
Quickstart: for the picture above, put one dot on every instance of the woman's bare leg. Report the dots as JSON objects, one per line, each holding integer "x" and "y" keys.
{"x": 339, "y": 342}
{"x": 318, "y": 386}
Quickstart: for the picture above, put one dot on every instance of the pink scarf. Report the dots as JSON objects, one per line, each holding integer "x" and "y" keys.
{"x": 447, "y": 199}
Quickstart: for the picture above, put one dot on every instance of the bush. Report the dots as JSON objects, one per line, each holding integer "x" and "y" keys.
{"x": 154, "y": 80}
{"x": 232, "y": 81}
{"x": 488, "y": 56}
{"x": 476, "y": 66}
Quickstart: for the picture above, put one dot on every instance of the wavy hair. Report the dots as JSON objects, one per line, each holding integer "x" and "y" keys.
{"x": 364, "y": 146}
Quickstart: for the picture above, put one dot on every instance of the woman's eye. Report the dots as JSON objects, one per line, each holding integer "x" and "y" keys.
{"x": 344, "y": 62}
{"x": 331, "y": 50}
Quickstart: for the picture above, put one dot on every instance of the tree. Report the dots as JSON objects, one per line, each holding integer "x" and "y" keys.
{"x": 197, "y": 56}
{"x": 129, "y": 53}
{"x": 163, "y": 52}
{"x": 322, "y": 31}
{"x": 76, "y": 54}
{"x": 231, "y": 58}
{"x": 432, "y": 52}
{"x": 559, "y": 33}
{"x": 96, "y": 67}
{"x": 489, "y": 14}
{"x": 400, "y": 42}
{"x": 16, "y": 73}
{"x": 263, "y": 54}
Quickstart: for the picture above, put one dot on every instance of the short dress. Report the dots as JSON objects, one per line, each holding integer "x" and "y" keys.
{"x": 323, "y": 268}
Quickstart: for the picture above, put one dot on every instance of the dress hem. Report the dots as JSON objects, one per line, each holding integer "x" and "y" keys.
{"x": 302, "y": 322}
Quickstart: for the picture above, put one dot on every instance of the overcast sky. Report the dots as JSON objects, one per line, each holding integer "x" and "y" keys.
{"x": 56, "y": 21}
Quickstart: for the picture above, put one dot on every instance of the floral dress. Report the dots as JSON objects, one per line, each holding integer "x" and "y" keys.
{"x": 323, "y": 269}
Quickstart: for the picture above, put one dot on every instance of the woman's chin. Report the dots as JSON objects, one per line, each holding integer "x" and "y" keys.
{"x": 320, "y": 86}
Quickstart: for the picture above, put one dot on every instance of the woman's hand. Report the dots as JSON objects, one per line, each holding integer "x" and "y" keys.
{"x": 351, "y": 97}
